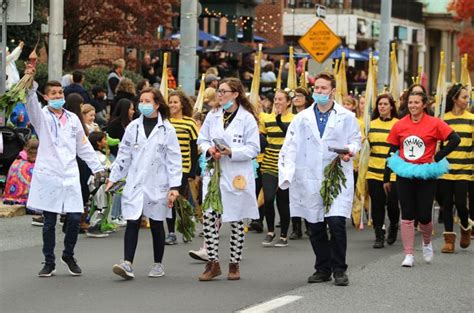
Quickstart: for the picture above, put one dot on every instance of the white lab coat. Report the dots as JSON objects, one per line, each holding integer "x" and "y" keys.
{"x": 10, "y": 68}
{"x": 55, "y": 185}
{"x": 304, "y": 156}
{"x": 152, "y": 166}
{"x": 242, "y": 136}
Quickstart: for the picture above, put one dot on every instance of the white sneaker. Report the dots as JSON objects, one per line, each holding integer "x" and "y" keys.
{"x": 428, "y": 252}
{"x": 200, "y": 255}
{"x": 409, "y": 260}
{"x": 156, "y": 270}
{"x": 119, "y": 221}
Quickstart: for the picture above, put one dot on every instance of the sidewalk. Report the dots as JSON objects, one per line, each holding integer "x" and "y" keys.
{"x": 445, "y": 285}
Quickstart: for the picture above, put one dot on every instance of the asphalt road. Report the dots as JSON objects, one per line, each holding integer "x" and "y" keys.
{"x": 267, "y": 273}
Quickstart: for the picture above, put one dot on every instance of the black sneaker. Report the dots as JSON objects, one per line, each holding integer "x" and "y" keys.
{"x": 319, "y": 277}
{"x": 37, "y": 220}
{"x": 48, "y": 270}
{"x": 268, "y": 240}
{"x": 71, "y": 264}
{"x": 282, "y": 242}
{"x": 257, "y": 226}
{"x": 341, "y": 279}
{"x": 296, "y": 235}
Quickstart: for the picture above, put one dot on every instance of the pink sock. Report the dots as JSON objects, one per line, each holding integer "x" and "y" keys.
{"x": 426, "y": 231}
{"x": 408, "y": 236}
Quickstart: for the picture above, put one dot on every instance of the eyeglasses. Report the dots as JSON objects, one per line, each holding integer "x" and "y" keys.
{"x": 222, "y": 91}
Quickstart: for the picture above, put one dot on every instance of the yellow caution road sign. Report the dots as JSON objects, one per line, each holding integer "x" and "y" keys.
{"x": 320, "y": 41}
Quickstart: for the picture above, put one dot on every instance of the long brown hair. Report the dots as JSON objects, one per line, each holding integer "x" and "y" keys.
{"x": 236, "y": 85}
{"x": 393, "y": 108}
{"x": 163, "y": 108}
{"x": 185, "y": 102}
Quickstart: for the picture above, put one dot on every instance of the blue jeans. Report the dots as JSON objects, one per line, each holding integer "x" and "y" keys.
{"x": 49, "y": 235}
{"x": 330, "y": 252}
{"x": 116, "y": 210}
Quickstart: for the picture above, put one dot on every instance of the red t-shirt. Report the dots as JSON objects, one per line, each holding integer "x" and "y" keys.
{"x": 417, "y": 141}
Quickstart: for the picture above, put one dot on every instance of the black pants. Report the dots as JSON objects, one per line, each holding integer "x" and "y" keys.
{"x": 258, "y": 187}
{"x": 379, "y": 199}
{"x": 330, "y": 252}
{"x": 183, "y": 190}
{"x": 131, "y": 239}
{"x": 416, "y": 198}
{"x": 49, "y": 235}
{"x": 454, "y": 192}
{"x": 270, "y": 191}
{"x": 471, "y": 200}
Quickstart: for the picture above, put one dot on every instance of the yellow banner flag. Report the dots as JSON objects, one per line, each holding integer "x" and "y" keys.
{"x": 291, "y": 83}
{"x": 303, "y": 82}
{"x": 255, "y": 88}
{"x": 200, "y": 97}
{"x": 394, "y": 78}
{"x": 164, "y": 78}
{"x": 280, "y": 71}
{"x": 341, "y": 80}
{"x": 361, "y": 191}
{"x": 440, "y": 96}
{"x": 453, "y": 72}
{"x": 465, "y": 78}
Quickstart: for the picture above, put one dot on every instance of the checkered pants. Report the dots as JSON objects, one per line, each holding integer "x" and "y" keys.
{"x": 211, "y": 237}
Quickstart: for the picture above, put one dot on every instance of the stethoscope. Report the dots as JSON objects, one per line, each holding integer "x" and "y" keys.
{"x": 136, "y": 145}
{"x": 56, "y": 125}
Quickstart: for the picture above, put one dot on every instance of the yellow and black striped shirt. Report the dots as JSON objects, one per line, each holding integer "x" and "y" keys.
{"x": 461, "y": 160}
{"x": 275, "y": 138}
{"x": 187, "y": 131}
{"x": 379, "y": 148}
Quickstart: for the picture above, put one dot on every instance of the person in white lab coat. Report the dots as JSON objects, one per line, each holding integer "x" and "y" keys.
{"x": 150, "y": 158}
{"x": 13, "y": 76}
{"x": 55, "y": 187}
{"x": 302, "y": 160}
{"x": 234, "y": 123}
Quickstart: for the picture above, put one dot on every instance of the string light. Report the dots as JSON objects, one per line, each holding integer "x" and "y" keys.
{"x": 261, "y": 23}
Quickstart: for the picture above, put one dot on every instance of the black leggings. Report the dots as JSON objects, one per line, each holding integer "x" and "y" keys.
{"x": 183, "y": 190}
{"x": 258, "y": 187}
{"x": 471, "y": 200}
{"x": 416, "y": 198}
{"x": 454, "y": 192}
{"x": 270, "y": 191}
{"x": 131, "y": 239}
{"x": 379, "y": 200}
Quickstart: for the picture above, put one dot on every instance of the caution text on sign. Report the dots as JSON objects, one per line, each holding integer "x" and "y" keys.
{"x": 320, "y": 41}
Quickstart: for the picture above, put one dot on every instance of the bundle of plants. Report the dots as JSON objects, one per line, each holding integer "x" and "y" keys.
{"x": 17, "y": 92}
{"x": 184, "y": 221}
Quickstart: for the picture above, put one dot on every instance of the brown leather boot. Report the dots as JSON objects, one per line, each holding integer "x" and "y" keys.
{"x": 234, "y": 273}
{"x": 465, "y": 236}
{"x": 213, "y": 269}
{"x": 449, "y": 240}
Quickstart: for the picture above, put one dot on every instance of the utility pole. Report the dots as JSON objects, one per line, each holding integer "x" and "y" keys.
{"x": 55, "y": 53}
{"x": 3, "y": 74}
{"x": 384, "y": 59}
{"x": 188, "y": 59}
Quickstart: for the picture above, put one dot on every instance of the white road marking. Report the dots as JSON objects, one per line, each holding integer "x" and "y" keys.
{"x": 271, "y": 305}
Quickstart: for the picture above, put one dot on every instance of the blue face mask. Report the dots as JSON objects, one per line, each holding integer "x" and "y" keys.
{"x": 56, "y": 104}
{"x": 320, "y": 98}
{"x": 146, "y": 109}
{"x": 228, "y": 105}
